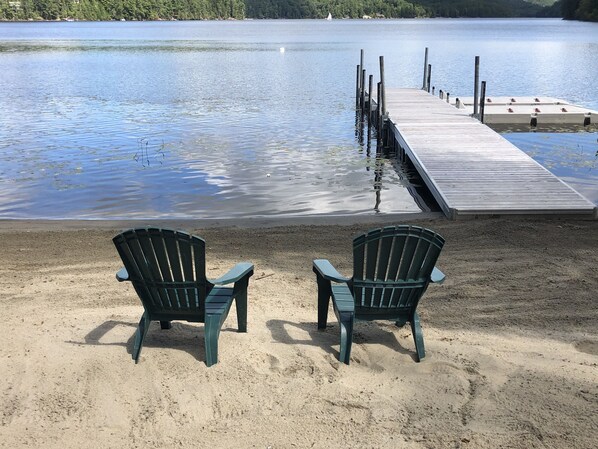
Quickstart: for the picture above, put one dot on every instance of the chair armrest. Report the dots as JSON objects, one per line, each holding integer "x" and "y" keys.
{"x": 122, "y": 275}
{"x": 235, "y": 274}
{"x": 324, "y": 268}
{"x": 437, "y": 276}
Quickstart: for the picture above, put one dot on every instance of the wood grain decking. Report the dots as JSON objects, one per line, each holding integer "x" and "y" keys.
{"x": 469, "y": 168}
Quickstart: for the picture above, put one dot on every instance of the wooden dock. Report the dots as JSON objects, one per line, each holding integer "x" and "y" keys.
{"x": 469, "y": 168}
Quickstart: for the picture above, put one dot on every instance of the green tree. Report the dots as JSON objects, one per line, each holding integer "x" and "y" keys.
{"x": 587, "y": 10}
{"x": 569, "y": 7}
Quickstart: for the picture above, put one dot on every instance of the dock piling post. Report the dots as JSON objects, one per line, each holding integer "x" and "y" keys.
{"x": 447, "y": 97}
{"x": 362, "y": 99}
{"x": 424, "y": 86}
{"x": 371, "y": 84}
{"x": 357, "y": 93}
{"x": 383, "y": 93}
{"x": 369, "y": 113}
{"x": 361, "y": 60}
{"x": 361, "y": 67}
{"x": 378, "y": 108}
{"x": 482, "y": 101}
{"x": 429, "y": 76}
{"x": 476, "y": 82}
{"x": 441, "y": 94}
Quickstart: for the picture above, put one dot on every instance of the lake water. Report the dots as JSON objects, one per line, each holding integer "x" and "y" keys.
{"x": 212, "y": 119}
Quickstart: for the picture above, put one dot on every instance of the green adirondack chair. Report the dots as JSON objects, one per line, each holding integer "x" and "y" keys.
{"x": 168, "y": 271}
{"x": 392, "y": 268}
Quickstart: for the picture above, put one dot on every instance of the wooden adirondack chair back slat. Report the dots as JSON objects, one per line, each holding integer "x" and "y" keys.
{"x": 392, "y": 267}
{"x": 167, "y": 269}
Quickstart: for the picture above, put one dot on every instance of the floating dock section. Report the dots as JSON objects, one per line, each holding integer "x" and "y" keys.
{"x": 533, "y": 111}
{"x": 469, "y": 168}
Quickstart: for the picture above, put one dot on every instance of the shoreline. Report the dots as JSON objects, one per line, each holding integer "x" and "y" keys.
{"x": 66, "y": 224}
{"x": 313, "y": 19}
{"x": 19, "y": 224}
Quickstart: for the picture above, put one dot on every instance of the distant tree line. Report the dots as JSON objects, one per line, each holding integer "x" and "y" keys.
{"x": 314, "y": 9}
{"x": 287, "y": 9}
{"x": 580, "y": 9}
{"x": 476, "y": 8}
{"x": 121, "y": 9}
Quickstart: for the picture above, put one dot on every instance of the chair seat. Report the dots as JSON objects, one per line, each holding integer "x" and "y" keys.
{"x": 219, "y": 300}
{"x": 343, "y": 298}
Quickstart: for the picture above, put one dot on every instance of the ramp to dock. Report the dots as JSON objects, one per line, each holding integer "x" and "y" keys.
{"x": 469, "y": 168}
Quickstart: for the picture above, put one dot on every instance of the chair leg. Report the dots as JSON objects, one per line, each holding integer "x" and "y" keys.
{"x": 324, "y": 293}
{"x": 165, "y": 324}
{"x": 212, "y": 332}
{"x": 418, "y": 337}
{"x": 346, "y": 327}
{"x": 401, "y": 322}
{"x": 241, "y": 303}
{"x": 142, "y": 329}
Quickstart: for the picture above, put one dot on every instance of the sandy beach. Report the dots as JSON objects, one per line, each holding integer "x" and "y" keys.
{"x": 511, "y": 340}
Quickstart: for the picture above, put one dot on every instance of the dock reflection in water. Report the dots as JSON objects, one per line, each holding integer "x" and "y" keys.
{"x": 382, "y": 157}
{"x": 182, "y": 169}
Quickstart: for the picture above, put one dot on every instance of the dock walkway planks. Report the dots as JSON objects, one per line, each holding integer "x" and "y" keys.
{"x": 469, "y": 168}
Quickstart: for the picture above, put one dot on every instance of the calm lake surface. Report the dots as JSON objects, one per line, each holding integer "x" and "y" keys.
{"x": 212, "y": 119}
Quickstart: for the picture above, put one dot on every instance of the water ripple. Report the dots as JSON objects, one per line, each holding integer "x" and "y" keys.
{"x": 211, "y": 119}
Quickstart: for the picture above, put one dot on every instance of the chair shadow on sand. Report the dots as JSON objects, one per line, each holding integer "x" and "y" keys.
{"x": 369, "y": 333}
{"x": 182, "y": 336}
{"x": 189, "y": 338}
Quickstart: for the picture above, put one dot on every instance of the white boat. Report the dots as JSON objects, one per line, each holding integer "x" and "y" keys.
{"x": 329, "y": 17}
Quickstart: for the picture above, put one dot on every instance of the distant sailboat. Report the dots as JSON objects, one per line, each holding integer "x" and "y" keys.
{"x": 329, "y": 17}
